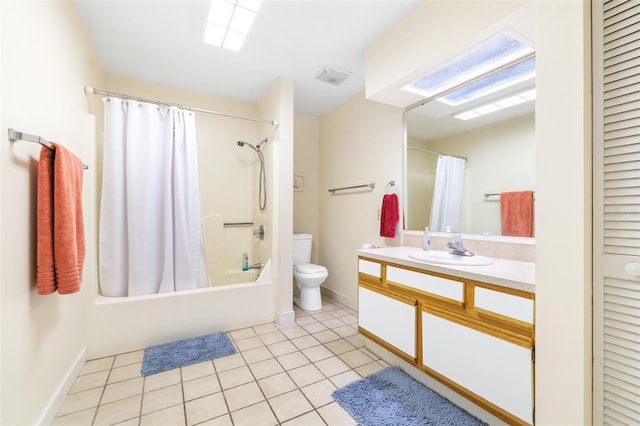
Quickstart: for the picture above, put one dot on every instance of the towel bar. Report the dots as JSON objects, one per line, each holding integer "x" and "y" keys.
{"x": 496, "y": 193}
{"x": 15, "y": 136}
{"x": 367, "y": 185}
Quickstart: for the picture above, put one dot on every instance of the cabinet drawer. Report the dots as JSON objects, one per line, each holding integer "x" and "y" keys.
{"x": 442, "y": 287}
{"x": 505, "y": 304}
{"x": 392, "y": 320}
{"x": 370, "y": 268}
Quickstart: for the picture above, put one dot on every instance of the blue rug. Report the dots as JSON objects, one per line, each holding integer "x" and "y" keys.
{"x": 391, "y": 397}
{"x": 184, "y": 352}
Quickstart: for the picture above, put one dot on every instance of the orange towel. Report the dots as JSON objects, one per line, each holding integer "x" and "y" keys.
{"x": 45, "y": 272}
{"x": 60, "y": 225}
{"x": 516, "y": 213}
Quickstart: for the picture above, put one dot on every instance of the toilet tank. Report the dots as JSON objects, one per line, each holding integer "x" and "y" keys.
{"x": 302, "y": 248}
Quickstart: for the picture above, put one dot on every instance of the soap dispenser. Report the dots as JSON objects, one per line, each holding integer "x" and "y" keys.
{"x": 426, "y": 239}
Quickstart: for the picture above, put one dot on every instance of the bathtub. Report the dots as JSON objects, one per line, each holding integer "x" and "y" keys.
{"x": 124, "y": 324}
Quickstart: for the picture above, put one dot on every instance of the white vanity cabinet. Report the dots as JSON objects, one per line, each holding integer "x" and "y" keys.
{"x": 475, "y": 337}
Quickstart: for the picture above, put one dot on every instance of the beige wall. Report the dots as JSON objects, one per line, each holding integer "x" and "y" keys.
{"x": 420, "y": 175}
{"x": 306, "y": 203}
{"x": 361, "y": 141}
{"x": 46, "y": 61}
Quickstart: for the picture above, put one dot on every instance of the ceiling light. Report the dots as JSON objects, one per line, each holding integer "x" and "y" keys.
{"x": 332, "y": 75}
{"x": 468, "y": 115}
{"x": 486, "y": 109}
{"x": 491, "y": 55}
{"x": 229, "y": 22}
{"x": 529, "y": 95}
{"x": 510, "y": 101}
{"x": 497, "y": 105}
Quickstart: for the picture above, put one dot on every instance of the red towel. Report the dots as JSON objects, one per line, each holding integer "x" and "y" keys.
{"x": 516, "y": 213}
{"x": 389, "y": 216}
{"x": 60, "y": 226}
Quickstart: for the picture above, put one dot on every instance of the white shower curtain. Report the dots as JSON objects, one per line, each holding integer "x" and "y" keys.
{"x": 447, "y": 193}
{"x": 150, "y": 221}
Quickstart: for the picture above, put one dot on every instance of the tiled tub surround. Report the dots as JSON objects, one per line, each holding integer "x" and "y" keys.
{"x": 508, "y": 248}
{"x": 282, "y": 374}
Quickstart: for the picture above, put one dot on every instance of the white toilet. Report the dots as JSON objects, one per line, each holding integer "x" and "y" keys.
{"x": 308, "y": 276}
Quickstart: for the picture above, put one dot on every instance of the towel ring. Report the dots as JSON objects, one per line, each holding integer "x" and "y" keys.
{"x": 389, "y": 185}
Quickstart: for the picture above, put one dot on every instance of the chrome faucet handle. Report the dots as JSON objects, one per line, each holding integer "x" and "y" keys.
{"x": 259, "y": 233}
{"x": 457, "y": 247}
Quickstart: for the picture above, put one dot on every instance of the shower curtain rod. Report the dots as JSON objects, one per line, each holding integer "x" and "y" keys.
{"x": 435, "y": 152}
{"x": 94, "y": 91}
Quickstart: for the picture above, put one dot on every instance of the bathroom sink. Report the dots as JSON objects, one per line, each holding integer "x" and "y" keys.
{"x": 446, "y": 258}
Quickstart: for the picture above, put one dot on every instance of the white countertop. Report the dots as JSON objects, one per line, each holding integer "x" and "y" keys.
{"x": 502, "y": 272}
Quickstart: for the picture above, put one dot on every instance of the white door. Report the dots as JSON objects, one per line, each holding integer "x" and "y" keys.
{"x": 616, "y": 204}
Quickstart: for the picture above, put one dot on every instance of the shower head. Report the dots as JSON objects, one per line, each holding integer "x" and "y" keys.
{"x": 256, "y": 149}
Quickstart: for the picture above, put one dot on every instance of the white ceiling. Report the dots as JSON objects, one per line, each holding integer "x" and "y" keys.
{"x": 161, "y": 41}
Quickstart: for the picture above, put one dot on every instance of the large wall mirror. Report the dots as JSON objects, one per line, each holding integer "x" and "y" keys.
{"x": 490, "y": 141}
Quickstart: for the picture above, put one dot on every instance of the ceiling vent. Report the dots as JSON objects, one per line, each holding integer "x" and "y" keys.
{"x": 332, "y": 75}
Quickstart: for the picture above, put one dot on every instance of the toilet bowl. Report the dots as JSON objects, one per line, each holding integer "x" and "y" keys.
{"x": 308, "y": 278}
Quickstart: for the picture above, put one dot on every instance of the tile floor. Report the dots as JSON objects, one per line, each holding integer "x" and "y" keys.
{"x": 281, "y": 375}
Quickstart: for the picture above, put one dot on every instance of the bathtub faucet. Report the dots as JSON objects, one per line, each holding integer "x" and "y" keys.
{"x": 255, "y": 266}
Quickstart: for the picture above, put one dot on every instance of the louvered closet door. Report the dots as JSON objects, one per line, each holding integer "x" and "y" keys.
{"x": 616, "y": 165}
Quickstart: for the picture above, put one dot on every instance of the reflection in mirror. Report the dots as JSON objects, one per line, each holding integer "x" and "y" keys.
{"x": 494, "y": 133}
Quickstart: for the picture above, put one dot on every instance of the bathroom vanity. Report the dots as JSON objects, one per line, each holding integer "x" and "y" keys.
{"x": 469, "y": 327}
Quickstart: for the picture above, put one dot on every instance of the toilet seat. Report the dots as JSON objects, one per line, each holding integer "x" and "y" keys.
{"x": 309, "y": 268}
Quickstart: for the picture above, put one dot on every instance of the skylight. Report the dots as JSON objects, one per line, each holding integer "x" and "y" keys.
{"x": 491, "y": 55}
{"x": 522, "y": 71}
{"x": 229, "y": 22}
{"x": 529, "y": 95}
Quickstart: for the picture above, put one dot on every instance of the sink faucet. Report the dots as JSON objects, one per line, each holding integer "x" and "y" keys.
{"x": 255, "y": 266}
{"x": 457, "y": 247}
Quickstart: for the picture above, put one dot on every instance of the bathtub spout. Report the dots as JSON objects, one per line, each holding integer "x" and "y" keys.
{"x": 255, "y": 266}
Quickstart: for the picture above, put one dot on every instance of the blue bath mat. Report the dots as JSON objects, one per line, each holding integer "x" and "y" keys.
{"x": 391, "y": 397}
{"x": 184, "y": 352}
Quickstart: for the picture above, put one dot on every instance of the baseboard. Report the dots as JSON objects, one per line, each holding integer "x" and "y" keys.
{"x": 339, "y": 297}
{"x": 58, "y": 397}
{"x": 285, "y": 317}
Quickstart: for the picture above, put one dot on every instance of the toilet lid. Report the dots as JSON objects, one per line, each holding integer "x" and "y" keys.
{"x": 310, "y": 268}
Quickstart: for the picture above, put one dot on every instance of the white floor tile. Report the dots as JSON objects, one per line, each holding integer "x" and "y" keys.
{"x": 282, "y": 374}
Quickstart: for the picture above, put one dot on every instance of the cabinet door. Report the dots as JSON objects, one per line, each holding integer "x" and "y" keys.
{"x": 495, "y": 369}
{"x": 390, "y": 319}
